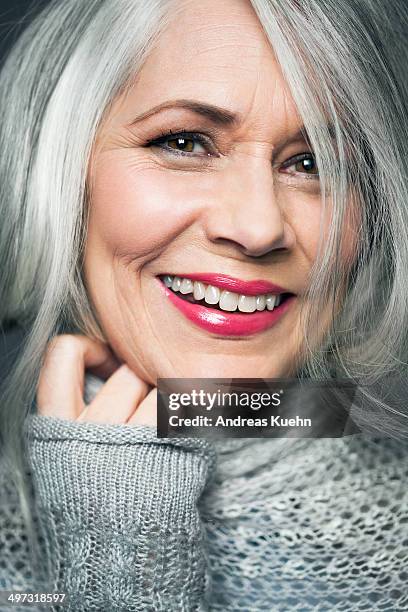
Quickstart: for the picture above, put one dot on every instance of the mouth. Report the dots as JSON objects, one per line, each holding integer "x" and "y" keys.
{"x": 225, "y": 305}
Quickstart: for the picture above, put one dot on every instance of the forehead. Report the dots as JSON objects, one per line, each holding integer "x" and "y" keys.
{"x": 215, "y": 51}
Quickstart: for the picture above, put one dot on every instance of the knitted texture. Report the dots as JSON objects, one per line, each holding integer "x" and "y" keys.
{"x": 309, "y": 525}
{"x": 132, "y": 522}
{"x": 117, "y": 509}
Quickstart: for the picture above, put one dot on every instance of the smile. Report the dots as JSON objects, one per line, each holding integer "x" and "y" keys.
{"x": 224, "y": 305}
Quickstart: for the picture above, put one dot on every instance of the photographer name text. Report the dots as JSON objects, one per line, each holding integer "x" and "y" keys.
{"x": 238, "y": 421}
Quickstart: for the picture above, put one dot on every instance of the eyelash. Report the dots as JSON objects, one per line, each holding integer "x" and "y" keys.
{"x": 205, "y": 141}
{"x": 195, "y": 136}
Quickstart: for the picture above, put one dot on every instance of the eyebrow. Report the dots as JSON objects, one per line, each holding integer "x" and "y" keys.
{"x": 220, "y": 116}
{"x": 302, "y": 135}
{"x": 299, "y": 135}
{"x": 216, "y": 114}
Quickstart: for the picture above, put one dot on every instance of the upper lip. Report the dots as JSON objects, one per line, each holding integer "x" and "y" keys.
{"x": 236, "y": 285}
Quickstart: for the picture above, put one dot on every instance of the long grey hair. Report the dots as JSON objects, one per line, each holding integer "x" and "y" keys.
{"x": 346, "y": 65}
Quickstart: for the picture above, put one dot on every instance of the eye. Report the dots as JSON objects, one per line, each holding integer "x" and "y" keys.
{"x": 304, "y": 163}
{"x": 189, "y": 144}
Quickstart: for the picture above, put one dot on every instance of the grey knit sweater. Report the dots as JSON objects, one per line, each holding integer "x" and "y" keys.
{"x": 132, "y": 522}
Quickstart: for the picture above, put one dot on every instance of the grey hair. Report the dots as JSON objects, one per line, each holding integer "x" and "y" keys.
{"x": 56, "y": 85}
{"x": 345, "y": 64}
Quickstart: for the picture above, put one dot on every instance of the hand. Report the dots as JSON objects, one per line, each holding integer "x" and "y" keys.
{"x": 124, "y": 398}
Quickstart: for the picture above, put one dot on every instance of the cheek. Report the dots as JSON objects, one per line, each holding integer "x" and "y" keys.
{"x": 304, "y": 216}
{"x": 351, "y": 232}
{"x": 135, "y": 210}
{"x": 309, "y": 226}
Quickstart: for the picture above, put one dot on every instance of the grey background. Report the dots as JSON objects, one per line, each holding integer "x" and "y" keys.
{"x": 14, "y": 16}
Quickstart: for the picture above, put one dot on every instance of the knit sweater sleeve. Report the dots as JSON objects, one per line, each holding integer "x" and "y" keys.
{"x": 118, "y": 513}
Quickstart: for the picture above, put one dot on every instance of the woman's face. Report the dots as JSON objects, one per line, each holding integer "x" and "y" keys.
{"x": 229, "y": 198}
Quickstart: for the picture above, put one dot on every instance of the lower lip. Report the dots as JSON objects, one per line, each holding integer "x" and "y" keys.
{"x": 225, "y": 323}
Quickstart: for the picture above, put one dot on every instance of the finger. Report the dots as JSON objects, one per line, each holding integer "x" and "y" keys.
{"x": 61, "y": 382}
{"x": 117, "y": 399}
{"x": 146, "y": 413}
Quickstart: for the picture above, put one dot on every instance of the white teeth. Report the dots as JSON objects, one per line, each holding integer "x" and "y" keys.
{"x": 247, "y": 303}
{"x": 260, "y": 302}
{"x": 186, "y": 286}
{"x": 270, "y": 301}
{"x": 199, "y": 291}
{"x": 212, "y": 295}
{"x": 229, "y": 301}
{"x": 176, "y": 283}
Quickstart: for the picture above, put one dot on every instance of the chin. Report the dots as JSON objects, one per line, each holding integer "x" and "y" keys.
{"x": 224, "y": 367}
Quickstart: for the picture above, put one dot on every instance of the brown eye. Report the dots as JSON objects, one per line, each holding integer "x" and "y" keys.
{"x": 307, "y": 165}
{"x": 185, "y": 144}
{"x": 181, "y": 144}
{"x": 302, "y": 164}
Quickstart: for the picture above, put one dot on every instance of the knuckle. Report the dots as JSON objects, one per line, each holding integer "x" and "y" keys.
{"x": 65, "y": 343}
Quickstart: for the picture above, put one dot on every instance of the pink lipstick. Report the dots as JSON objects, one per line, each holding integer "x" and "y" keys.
{"x": 236, "y": 323}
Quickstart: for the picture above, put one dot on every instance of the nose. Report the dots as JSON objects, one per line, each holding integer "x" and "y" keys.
{"x": 245, "y": 211}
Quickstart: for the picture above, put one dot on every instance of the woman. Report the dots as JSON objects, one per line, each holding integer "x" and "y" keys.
{"x": 158, "y": 158}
